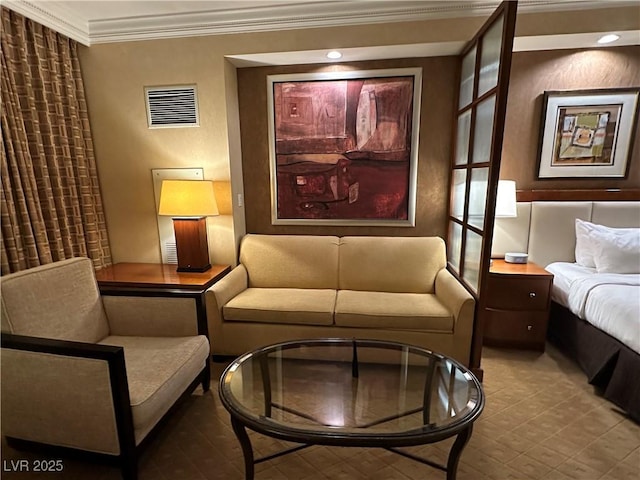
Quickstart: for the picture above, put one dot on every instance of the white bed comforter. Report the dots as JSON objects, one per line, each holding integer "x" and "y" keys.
{"x": 610, "y": 302}
{"x": 582, "y": 288}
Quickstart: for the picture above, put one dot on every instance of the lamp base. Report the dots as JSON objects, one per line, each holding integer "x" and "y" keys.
{"x": 191, "y": 244}
{"x": 191, "y": 269}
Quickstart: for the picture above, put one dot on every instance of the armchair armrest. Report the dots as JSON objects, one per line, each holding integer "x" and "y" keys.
{"x": 60, "y": 347}
{"x": 220, "y": 293}
{"x": 80, "y": 386}
{"x": 151, "y": 316}
{"x": 458, "y": 300}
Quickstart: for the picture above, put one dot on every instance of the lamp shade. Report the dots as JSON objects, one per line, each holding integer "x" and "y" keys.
{"x": 187, "y": 198}
{"x": 506, "y": 199}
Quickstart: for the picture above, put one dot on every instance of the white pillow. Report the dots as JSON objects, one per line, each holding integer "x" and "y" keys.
{"x": 585, "y": 244}
{"x": 615, "y": 252}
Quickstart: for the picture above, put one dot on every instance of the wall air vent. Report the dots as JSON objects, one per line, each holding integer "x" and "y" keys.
{"x": 170, "y": 107}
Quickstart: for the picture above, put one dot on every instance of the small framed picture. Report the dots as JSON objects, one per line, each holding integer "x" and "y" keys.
{"x": 587, "y": 133}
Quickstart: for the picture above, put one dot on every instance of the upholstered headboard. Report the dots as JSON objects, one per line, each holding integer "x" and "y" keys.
{"x": 546, "y": 230}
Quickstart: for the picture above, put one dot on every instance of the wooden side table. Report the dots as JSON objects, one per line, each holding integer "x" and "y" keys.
{"x": 519, "y": 298}
{"x": 161, "y": 280}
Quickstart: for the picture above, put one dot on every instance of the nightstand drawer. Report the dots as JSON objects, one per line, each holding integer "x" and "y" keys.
{"x": 512, "y": 293}
{"x": 509, "y": 328}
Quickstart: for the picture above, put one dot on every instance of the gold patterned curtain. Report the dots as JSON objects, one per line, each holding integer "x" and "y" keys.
{"x": 51, "y": 202}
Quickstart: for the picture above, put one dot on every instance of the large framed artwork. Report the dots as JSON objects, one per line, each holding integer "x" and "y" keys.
{"x": 587, "y": 133}
{"x": 343, "y": 147}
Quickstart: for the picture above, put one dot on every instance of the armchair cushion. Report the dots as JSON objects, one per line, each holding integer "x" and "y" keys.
{"x": 150, "y": 316}
{"x": 34, "y": 301}
{"x": 159, "y": 369}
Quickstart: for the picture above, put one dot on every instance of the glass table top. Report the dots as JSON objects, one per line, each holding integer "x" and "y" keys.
{"x": 352, "y": 388}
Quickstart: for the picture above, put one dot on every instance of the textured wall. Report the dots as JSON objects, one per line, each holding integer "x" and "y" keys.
{"x": 438, "y": 76}
{"x": 126, "y": 150}
{"x": 115, "y": 75}
{"x": 534, "y": 72}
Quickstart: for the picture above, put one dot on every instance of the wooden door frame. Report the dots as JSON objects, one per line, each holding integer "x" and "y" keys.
{"x": 507, "y": 9}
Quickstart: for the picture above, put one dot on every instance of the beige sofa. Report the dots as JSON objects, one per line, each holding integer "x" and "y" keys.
{"x": 290, "y": 287}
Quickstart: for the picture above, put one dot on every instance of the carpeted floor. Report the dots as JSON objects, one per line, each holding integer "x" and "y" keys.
{"x": 541, "y": 421}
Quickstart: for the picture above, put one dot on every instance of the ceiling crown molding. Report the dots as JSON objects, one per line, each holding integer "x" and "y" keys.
{"x": 283, "y": 17}
{"x": 307, "y": 15}
{"x": 63, "y": 19}
{"x": 54, "y": 16}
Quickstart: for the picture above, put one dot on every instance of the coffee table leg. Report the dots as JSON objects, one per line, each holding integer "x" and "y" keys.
{"x": 245, "y": 443}
{"x": 456, "y": 450}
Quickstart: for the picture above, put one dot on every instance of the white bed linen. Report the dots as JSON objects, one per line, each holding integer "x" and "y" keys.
{"x": 564, "y": 274}
{"x": 609, "y": 301}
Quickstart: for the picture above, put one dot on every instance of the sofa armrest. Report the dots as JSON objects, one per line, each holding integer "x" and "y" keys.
{"x": 220, "y": 293}
{"x": 79, "y": 391}
{"x": 151, "y": 316}
{"x": 458, "y": 300}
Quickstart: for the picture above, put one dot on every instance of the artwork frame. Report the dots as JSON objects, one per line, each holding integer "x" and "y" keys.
{"x": 331, "y": 161}
{"x": 587, "y": 133}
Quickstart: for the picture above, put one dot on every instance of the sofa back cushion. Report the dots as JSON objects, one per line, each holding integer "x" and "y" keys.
{"x": 290, "y": 261}
{"x": 390, "y": 264}
{"x": 59, "y": 300}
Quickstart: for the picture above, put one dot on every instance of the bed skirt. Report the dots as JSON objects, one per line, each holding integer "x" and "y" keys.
{"x": 610, "y": 365}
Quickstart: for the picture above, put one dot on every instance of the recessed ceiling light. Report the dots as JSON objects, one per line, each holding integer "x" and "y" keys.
{"x": 334, "y": 55}
{"x": 611, "y": 37}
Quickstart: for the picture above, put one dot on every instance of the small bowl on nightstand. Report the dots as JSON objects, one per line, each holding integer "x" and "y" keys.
{"x": 514, "y": 257}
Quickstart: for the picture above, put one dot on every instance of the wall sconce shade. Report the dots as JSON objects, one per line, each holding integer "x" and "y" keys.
{"x": 189, "y": 202}
{"x": 506, "y": 199}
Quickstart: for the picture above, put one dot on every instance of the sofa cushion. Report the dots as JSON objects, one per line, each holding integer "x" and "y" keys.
{"x": 290, "y": 261}
{"x": 390, "y": 264}
{"x": 392, "y": 310}
{"x": 159, "y": 369}
{"x": 282, "y": 305}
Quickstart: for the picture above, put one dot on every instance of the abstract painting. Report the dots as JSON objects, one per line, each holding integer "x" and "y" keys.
{"x": 343, "y": 147}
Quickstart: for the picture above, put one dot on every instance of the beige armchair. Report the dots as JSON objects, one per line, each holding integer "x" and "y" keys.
{"x": 73, "y": 376}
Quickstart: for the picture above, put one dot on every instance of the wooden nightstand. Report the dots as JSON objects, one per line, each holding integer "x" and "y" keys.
{"x": 161, "y": 280}
{"x": 517, "y": 313}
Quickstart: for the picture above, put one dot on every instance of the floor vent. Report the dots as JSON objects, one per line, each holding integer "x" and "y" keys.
{"x": 172, "y": 106}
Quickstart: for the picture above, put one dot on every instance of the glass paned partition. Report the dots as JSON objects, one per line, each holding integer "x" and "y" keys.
{"x": 472, "y": 254}
{"x": 478, "y": 196}
{"x": 483, "y": 130}
{"x": 458, "y": 193}
{"x": 466, "y": 78}
{"x": 455, "y": 245}
{"x": 490, "y": 58}
{"x": 462, "y": 143}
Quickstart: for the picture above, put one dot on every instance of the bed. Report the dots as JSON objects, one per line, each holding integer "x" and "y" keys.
{"x": 595, "y": 309}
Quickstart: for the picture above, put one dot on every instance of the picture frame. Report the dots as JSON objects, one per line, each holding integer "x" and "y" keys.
{"x": 343, "y": 147}
{"x": 587, "y": 133}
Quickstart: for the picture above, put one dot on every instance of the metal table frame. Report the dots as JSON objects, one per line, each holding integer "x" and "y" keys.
{"x": 240, "y": 421}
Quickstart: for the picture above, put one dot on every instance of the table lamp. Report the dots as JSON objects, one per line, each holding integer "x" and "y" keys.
{"x": 506, "y": 207}
{"x": 506, "y": 199}
{"x": 189, "y": 202}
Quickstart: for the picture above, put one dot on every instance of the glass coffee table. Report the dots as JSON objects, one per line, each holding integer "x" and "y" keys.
{"x": 351, "y": 393}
